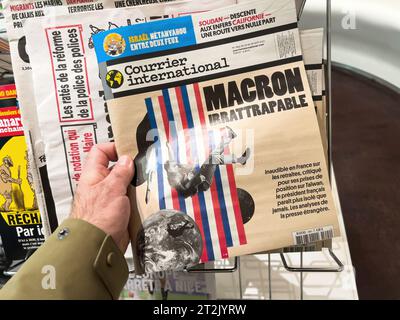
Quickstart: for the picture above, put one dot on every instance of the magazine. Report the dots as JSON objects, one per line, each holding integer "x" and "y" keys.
{"x": 20, "y": 221}
{"x": 217, "y": 112}
{"x": 48, "y": 117}
{"x": 170, "y": 285}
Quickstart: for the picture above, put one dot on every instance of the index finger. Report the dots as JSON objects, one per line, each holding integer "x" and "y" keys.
{"x": 95, "y": 168}
{"x": 101, "y": 154}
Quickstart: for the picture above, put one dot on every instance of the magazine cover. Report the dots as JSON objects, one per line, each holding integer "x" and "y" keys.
{"x": 217, "y": 112}
{"x": 17, "y": 13}
{"x": 170, "y": 285}
{"x": 20, "y": 222}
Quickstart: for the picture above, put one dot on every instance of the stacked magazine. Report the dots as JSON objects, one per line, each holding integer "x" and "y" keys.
{"x": 220, "y": 104}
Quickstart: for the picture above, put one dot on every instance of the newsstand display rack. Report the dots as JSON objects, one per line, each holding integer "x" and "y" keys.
{"x": 298, "y": 269}
{"x": 235, "y": 266}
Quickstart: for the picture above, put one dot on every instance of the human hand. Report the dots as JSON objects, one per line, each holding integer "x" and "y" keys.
{"x": 100, "y": 197}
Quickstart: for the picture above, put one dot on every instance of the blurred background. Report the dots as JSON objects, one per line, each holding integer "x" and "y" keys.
{"x": 366, "y": 134}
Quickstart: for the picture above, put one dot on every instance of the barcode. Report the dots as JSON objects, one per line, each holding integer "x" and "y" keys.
{"x": 312, "y": 247}
{"x": 314, "y": 235}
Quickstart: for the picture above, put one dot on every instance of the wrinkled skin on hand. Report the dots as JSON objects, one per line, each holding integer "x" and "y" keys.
{"x": 101, "y": 196}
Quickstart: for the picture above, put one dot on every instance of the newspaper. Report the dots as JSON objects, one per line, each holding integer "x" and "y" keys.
{"x": 312, "y": 46}
{"x": 16, "y": 13}
{"x": 299, "y": 6}
{"x": 217, "y": 112}
{"x": 48, "y": 130}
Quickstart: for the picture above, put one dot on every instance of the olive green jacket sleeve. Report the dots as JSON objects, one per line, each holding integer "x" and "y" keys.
{"x": 78, "y": 261}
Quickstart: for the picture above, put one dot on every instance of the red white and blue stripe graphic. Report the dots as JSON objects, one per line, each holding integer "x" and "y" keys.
{"x": 178, "y": 115}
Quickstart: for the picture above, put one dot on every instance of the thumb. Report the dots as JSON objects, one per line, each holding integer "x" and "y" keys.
{"x": 121, "y": 174}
